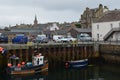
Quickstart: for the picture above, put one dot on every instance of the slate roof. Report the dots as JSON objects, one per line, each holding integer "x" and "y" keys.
{"x": 61, "y": 32}
{"x": 82, "y": 30}
{"x": 40, "y": 27}
{"x": 109, "y": 16}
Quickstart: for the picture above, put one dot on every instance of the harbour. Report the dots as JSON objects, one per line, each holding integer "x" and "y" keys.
{"x": 100, "y": 56}
{"x": 41, "y": 40}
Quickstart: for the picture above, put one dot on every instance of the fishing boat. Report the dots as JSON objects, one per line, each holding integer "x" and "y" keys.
{"x": 38, "y": 64}
{"x": 76, "y": 63}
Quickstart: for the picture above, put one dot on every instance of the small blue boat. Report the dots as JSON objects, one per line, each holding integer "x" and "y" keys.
{"x": 76, "y": 63}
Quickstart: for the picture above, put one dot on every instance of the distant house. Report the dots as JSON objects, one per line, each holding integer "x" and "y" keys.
{"x": 53, "y": 27}
{"x": 50, "y": 34}
{"x": 107, "y": 27}
{"x": 75, "y": 32}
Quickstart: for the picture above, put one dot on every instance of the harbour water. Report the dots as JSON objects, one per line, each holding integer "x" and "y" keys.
{"x": 92, "y": 72}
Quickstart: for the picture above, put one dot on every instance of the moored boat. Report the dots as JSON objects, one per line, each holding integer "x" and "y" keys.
{"x": 76, "y": 63}
{"x": 38, "y": 64}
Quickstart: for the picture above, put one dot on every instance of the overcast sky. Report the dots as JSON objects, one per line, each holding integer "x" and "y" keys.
{"x": 14, "y": 12}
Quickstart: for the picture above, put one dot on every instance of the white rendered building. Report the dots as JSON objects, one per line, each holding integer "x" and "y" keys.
{"x": 107, "y": 27}
{"x": 53, "y": 27}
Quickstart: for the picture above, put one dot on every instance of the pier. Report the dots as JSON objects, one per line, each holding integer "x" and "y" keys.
{"x": 60, "y": 52}
{"x": 54, "y": 52}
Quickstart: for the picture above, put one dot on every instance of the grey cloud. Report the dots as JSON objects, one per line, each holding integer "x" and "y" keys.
{"x": 74, "y": 5}
{"x": 61, "y": 4}
{"x": 17, "y": 11}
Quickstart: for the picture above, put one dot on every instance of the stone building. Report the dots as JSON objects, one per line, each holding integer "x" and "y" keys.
{"x": 90, "y": 15}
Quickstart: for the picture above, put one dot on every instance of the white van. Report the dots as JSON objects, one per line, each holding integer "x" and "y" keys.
{"x": 57, "y": 38}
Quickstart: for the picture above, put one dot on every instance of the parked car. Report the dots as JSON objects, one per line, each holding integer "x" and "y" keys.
{"x": 57, "y": 38}
{"x": 84, "y": 37}
{"x": 68, "y": 39}
{"x": 3, "y": 38}
{"x": 41, "y": 39}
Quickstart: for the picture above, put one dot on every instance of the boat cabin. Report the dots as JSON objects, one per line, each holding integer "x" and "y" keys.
{"x": 38, "y": 60}
{"x": 13, "y": 61}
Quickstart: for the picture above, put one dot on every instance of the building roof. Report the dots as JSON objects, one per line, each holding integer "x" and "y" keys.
{"x": 60, "y": 32}
{"x": 40, "y": 27}
{"x": 109, "y": 16}
{"x": 82, "y": 30}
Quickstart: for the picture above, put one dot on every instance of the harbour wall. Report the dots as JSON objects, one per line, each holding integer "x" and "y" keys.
{"x": 110, "y": 52}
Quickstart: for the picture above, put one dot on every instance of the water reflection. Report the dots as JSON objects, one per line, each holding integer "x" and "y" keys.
{"x": 88, "y": 73}
{"x": 40, "y": 76}
{"x": 32, "y": 77}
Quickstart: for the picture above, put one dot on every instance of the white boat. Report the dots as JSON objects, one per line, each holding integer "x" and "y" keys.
{"x": 15, "y": 67}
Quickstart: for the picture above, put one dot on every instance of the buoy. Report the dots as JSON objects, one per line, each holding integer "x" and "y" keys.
{"x": 66, "y": 64}
{"x": 1, "y": 49}
{"x": 40, "y": 54}
{"x": 19, "y": 65}
{"x": 9, "y": 64}
{"x": 23, "y": 63}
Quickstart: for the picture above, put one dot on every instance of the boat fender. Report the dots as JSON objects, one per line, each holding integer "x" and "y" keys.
{"x": 66, "y": 65}
{"x": 23, "y": 63}
{"x": 9, "y": 64}
{"x": 18, "y": 65}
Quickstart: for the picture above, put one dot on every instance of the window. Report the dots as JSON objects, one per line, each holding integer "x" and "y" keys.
{"x": 40, "y": 59}
{"x": 111, "y": 25}
{"x": 97, "y": 36}
{"x": 119, "y": 25}
{"x": 97, "y": 26}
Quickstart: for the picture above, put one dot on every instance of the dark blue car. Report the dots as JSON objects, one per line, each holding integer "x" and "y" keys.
{"x": 3, "y": 38}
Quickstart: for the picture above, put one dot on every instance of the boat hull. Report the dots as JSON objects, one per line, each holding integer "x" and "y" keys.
{"x": 76, "y": 63}
{"x": 27, "y": 70}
